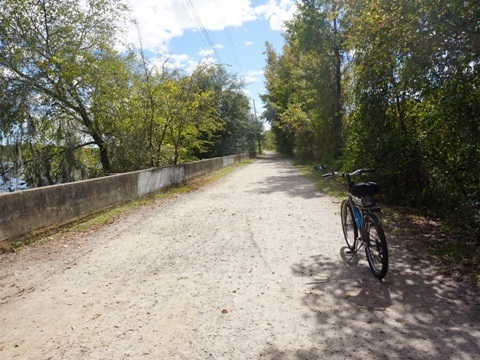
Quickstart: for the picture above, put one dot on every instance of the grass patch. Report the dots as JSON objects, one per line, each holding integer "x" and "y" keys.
{"x": 91, "y": 222}
{"x": 333, "y": 186}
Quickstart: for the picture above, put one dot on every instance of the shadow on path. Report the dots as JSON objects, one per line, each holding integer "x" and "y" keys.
{"x": 413, "y": 314}
{"x": 288, "y": 180}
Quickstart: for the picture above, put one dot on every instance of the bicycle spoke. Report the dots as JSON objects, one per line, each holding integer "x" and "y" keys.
{"x": 376, "y": 250}
{"x": 348, "y": 225}
{"x": 358, "y": 217}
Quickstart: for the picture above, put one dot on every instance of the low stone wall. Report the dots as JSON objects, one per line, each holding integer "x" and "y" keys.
{"x": 25, "y": 211}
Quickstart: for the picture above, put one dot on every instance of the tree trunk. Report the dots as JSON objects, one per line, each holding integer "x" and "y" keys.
{"x": 97, "y": 137}
{"x": 338, "y": 118}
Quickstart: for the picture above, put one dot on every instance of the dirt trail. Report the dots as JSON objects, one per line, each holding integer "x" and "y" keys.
{"x": 252, "y": 267}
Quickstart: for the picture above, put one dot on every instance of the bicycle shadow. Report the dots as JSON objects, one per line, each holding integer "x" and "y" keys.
{"x": 349, "y": 259}
{"x": 363, "y": 290}
{"x": 413, "y": 310}
{"x": 374, "y": 294}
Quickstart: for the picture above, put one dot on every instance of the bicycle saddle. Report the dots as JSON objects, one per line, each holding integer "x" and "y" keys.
{"x": 365, "y": 188}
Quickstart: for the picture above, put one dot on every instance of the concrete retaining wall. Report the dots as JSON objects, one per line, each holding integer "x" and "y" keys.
{"x": 25, "y": 211}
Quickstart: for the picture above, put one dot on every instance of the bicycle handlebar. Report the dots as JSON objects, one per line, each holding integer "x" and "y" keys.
{"x": 359, "y": 172}
{"x": 347, "y": 175}
{"x": 329, "y": 174}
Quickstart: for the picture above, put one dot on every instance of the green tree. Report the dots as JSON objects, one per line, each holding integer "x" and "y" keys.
{"x": 192, "y": 114}
{"x": 401, "y": 78}
{"x": 13, "y": 110}
{"x": 151, "y": 111}
{"x": 415, "y": 101}
{"x": 304, "y": 83}
{"x": 278, "y": 74}
{"x": 236, "y": 113}
{"x": 55, "y": 49}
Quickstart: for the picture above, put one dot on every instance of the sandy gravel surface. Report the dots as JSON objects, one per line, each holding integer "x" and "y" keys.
{"x": 251, "y": 267}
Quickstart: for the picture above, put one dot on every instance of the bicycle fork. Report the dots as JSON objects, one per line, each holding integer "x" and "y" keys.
{"x": 359, "y": 223}
{"x": 354, "y": 252}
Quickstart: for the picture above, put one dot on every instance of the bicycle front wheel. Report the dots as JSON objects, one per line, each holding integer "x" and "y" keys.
{"x": 376, "y": 246}
{"x": 349, "y": 227}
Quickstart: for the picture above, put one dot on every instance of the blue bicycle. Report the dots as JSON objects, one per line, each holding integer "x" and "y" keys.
{"x": 360, "y": 221}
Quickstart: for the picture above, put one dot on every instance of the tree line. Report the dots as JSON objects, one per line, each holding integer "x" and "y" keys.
{"x": 389, "y": 84}
{"x": 74, "y": 107}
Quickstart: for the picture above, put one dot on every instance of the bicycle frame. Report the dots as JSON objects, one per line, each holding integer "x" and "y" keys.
{"x": 361, "y": 221}
{"x": 359, "y": 212}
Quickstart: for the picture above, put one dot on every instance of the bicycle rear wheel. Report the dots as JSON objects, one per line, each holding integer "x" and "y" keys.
{"x": 376, "y": 246}
{"x": 349, "y": 227}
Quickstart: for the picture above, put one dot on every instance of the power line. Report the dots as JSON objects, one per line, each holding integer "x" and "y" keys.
{"x": 229, "y": 38}
{"x": 201, "y": 29}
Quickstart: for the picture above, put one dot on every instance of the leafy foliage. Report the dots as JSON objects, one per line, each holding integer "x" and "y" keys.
{"x": 241, "y": 130}
{"x": 304, "y": 98}
{"x": 73, "y": 107}
{"x": 410, "y": 76}
{"x": 52, "y": 50}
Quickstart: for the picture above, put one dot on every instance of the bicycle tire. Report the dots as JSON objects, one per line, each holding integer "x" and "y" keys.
{"x": 349, "y": 226}
{"x": 376, "y": 246}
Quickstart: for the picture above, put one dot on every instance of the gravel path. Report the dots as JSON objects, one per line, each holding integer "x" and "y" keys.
{"x": 251, "y": 267}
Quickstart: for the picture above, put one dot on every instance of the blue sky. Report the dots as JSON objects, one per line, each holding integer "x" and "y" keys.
{"x": 232, "y": 32}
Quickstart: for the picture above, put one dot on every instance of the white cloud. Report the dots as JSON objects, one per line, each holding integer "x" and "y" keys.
{"x": 277, "y": 12}
{"x": 206, "y": 53}
{"x": 172, "y": 61}
{"x": 161, "y": 20}
{"x": 183, "y": 62}
{"x": 158, "y": 22}
{"x": 217, "y": 14}
{"x": 248, "y": 43}
{"x": 253, "y": 77}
